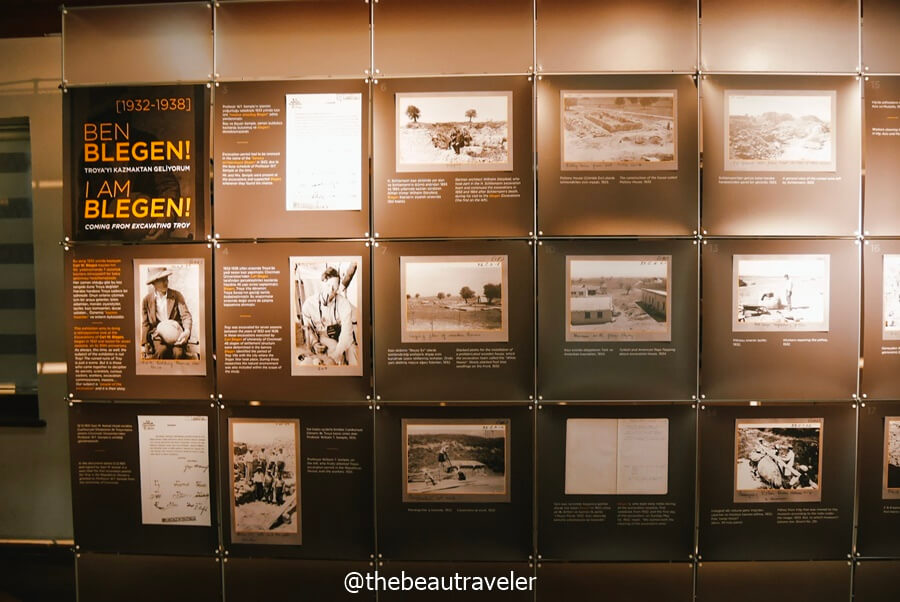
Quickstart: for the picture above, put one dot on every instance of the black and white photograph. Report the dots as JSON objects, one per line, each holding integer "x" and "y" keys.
{"x": 775, "y": 130}
{"x": 454, "y": 131}
{"x": 618, "y": 298}
{"x": 891, "y": 481}
{"x": 454, "y": 299}
{"x": 891, "y": 299}
{"x": 781, "y": 293}
{"x": 170, "y": 337}
{"x": 778, "y": 460}
{"x": 265, "y": 480}
{"x": 615, "y": 130}
{"x": 326, "y": 294}
{"x": 456, "y": 460}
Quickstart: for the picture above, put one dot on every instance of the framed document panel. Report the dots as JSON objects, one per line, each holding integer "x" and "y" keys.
{"x": 878, "y": 531}
{"x": 274, "y": 39}
{"x": 110, "y": 578}
{"x": 616, "y": 481}
{"x": 781, "y": 155}
{"x": 143, "y": 477}
{"x": 136, "y": 163}
{"x": 139, "y": 322}
{"x": 412, "y": 38}
{"x": 645, "y": 35}
{"x": 881, "y": 214}
{"x": 453, "y": 157}
{"x": 873, "y": 580}
{"x": 882, "y": 18}
{"x": 508, "y": 581}
{"x": 101, "y": 43}
{"x": 290, "y": 579}
{"x": 775, "y": 319}
{"x": 446, "y": 469}
{"x": 776, "y": 480}
{"x": 292, "y": 159}
{"x": 744, "y": 36}
{"x": 297, "y": 480}
{"x": 828, "y": 581}
{"x": 617, "y": 155}
{"x": 613, "y": 311}
{"x": 292, "y": 321}
{"x": 881, "y": 319}
{"x": 455, "y": 320}
{"x": 623, "y": 582}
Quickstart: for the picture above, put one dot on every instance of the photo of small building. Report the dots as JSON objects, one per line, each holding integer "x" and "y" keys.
{"x": 655, "y": 300}
{"x": 591, "y": 309}
{"x": 618, "y": 298}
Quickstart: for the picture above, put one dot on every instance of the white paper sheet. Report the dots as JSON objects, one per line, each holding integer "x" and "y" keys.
{"x": 174, "y": 454}
{"x": 323, "y": 152}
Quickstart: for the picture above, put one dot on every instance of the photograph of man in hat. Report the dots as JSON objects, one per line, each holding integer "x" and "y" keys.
{"x": 164, "y": 305}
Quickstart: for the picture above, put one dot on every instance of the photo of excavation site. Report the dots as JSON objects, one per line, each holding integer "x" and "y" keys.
{"x": 453, "y": 299}
{"x": 778, "y": 460}
{"x": 779, "y": 131}
{"x": 891, "y": 489}
{"x": 265, "y": 481}
{"x": 456, "y": 460}
{"x": 454, "y": 131}
{"x": 891, "y": 299}
{"x": 618, "y": 130}
{"x": 618, "y": 298}
{"x": 781, "y": 292}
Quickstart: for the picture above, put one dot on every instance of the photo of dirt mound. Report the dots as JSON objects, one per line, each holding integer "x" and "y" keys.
{"x": 780, "y": 131}
{"x": 618, "y": 130}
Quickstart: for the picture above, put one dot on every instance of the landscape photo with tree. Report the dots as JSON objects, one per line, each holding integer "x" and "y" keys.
{"x": 454, "y": 131}
{"x": 476, "y": 312}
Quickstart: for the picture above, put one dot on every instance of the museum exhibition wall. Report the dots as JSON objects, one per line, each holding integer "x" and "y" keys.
{"x": 581, "y": 291}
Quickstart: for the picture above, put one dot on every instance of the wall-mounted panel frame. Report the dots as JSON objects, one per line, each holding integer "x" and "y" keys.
{"x": 880, "y": 21}
{"x": 136, "y": 165}
{"x": 770, "y": 512}
{"x": 617, "y": 155}
{"x": 881, "y": 319}
{"x": 761, "y": 178}
{"x": 277, "y": 40}
{"x": 646, "y": 35}
{"x": 650, "y": 326}
{"x": 873, "y": 580}
{"x": 647, "y": 449}
{"x": 508, "y": 581}
{"x": 440, "y": 347}
{"x": 469, "y": 173}
{"x": 175, "y": 44}
{"x": 759, "y": 342}
{"x": 739, "y": 581}
{"x": 763, "y": 36}
{"x": 414, "y": 38}
{"x": 456, "y": 526}
{"x": 293, "y": 159}
{"x": 625, "y": 582}
{"x": 118, "y": 344}
{"x": 111, "y": 578}
{"x": 881, "y": 139}
{"x": 287, "y": 579}
{"x": 139, "y": 472}
{"x": 878, "y": 530}
{"x": 326, "y": 504}
{"x": 282, "y": 331}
